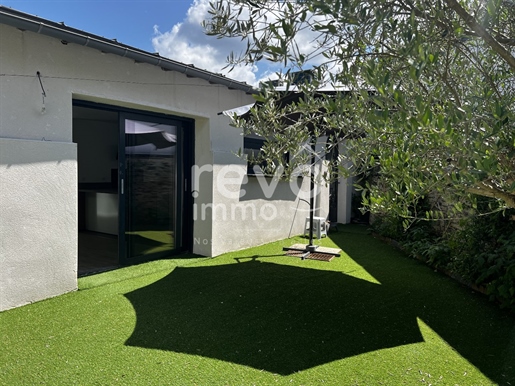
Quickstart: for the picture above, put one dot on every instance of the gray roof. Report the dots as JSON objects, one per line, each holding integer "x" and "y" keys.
{"x": 27, "y": 22}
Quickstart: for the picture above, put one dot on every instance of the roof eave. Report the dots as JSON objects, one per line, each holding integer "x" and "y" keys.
{"x": 67, "y": 34}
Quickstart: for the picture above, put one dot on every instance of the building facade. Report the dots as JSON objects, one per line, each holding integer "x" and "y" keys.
{"x": 112, "y": 152}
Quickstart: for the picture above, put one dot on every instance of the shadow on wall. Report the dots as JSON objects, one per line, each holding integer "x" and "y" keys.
{"x": 284, "y": 319}
{"x": 21, "y": 151}
{"x": 266, "y": 188}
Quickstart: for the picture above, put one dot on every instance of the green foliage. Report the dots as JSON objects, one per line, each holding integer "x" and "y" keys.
{"x": 423, "y": 242}
{"x": 423, "y": 103}
{"x": 426, "y": 91}
{"x": 481, "y": 250}
{"x": 390, "y": 227}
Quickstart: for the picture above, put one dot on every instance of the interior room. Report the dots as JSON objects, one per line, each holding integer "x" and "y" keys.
{"x": 95, "y": 132}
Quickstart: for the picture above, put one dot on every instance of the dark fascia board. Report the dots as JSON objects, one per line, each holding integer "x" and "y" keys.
{"x": 65, "y": 34}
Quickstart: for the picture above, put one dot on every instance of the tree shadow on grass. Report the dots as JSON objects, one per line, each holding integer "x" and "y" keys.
{"x": 268, "y": 316}
{"x": 477, "y": 329}
{"x": 283, "y": 318}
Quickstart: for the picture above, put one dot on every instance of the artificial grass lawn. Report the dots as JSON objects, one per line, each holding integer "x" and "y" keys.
{"x": 370, "y": 317}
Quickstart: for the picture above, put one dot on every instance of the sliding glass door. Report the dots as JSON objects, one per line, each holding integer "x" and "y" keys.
{"x": 152, "y": 179}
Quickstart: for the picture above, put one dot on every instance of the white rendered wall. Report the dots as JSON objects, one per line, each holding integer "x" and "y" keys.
{"x": 345, "y": 200}
{"x": 252, "y": 210}
{"x": 345, "y": 190}
{"x": 38, "y": 233}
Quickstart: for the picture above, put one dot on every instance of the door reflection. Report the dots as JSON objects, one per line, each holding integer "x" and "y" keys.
{"x": 151, "y": 169}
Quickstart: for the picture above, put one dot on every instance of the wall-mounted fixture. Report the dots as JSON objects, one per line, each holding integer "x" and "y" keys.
{"x": 43, "y": 93}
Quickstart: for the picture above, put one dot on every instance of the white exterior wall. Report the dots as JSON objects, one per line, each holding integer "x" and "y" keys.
{"x": 38, "y": 161}
{"x": 253, "y": 210}
{"x": 38, "y": 216}
{"x": 345, "y": 191}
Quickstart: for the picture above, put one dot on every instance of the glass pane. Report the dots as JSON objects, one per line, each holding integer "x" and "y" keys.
{"x": 150, "y": 158}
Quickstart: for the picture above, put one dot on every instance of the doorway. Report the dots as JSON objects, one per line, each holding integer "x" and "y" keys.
{"x": 133, "y": 168}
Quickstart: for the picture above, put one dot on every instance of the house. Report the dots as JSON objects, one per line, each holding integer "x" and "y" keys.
{"x": 110, "y": 155}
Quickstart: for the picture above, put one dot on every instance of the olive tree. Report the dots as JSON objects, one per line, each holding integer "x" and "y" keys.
{"x": 423, "y": 93}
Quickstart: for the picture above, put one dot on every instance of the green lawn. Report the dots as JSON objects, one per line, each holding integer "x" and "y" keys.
{"x": 256, "y": 317}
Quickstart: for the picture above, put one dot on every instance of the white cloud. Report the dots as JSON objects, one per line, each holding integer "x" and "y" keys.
{"x": 186, "y": 42}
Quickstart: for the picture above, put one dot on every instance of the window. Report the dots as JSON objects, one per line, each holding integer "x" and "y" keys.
{"x": 252, "y": 145}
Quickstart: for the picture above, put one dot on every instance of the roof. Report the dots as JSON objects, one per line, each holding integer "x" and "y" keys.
{"x": 27, "y": 22}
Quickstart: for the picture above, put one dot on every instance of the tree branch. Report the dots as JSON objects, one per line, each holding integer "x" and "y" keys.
{"x": 488, "y": 191}
{"x": 481, "y": 32}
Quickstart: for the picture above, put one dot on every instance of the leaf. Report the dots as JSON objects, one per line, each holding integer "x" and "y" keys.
{"x": 419, "y": 103}
{"x": 427, "y": 116}
{"x": 492, "y": 7}
{"x": 378, "y": 101}
{"x": 287, "y": 29}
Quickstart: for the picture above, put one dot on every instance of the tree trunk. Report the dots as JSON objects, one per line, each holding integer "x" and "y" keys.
{"x": 488, "y": 191}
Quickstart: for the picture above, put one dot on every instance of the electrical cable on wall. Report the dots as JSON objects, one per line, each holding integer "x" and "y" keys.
{"x": 43, "y": 108}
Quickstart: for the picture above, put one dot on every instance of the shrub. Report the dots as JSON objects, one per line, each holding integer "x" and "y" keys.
{"x": 483, "y": 251}
{"x": 480, "y": 251}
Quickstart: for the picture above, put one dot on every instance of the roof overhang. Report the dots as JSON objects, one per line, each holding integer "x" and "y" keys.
{"x": 27, "y": 22}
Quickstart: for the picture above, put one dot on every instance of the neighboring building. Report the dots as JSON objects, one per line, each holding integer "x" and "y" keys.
{"x": 110, "y": 156}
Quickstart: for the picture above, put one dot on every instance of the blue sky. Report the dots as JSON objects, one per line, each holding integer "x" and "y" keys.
{"x": 170, "y": 27}
{"x": 130, "y": 22}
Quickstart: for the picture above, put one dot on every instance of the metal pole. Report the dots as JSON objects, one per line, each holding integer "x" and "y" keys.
{"x": 311, "y": 247}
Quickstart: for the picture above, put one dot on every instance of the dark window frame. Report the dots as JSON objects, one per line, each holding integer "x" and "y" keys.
{"x": 253, "y": 144}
